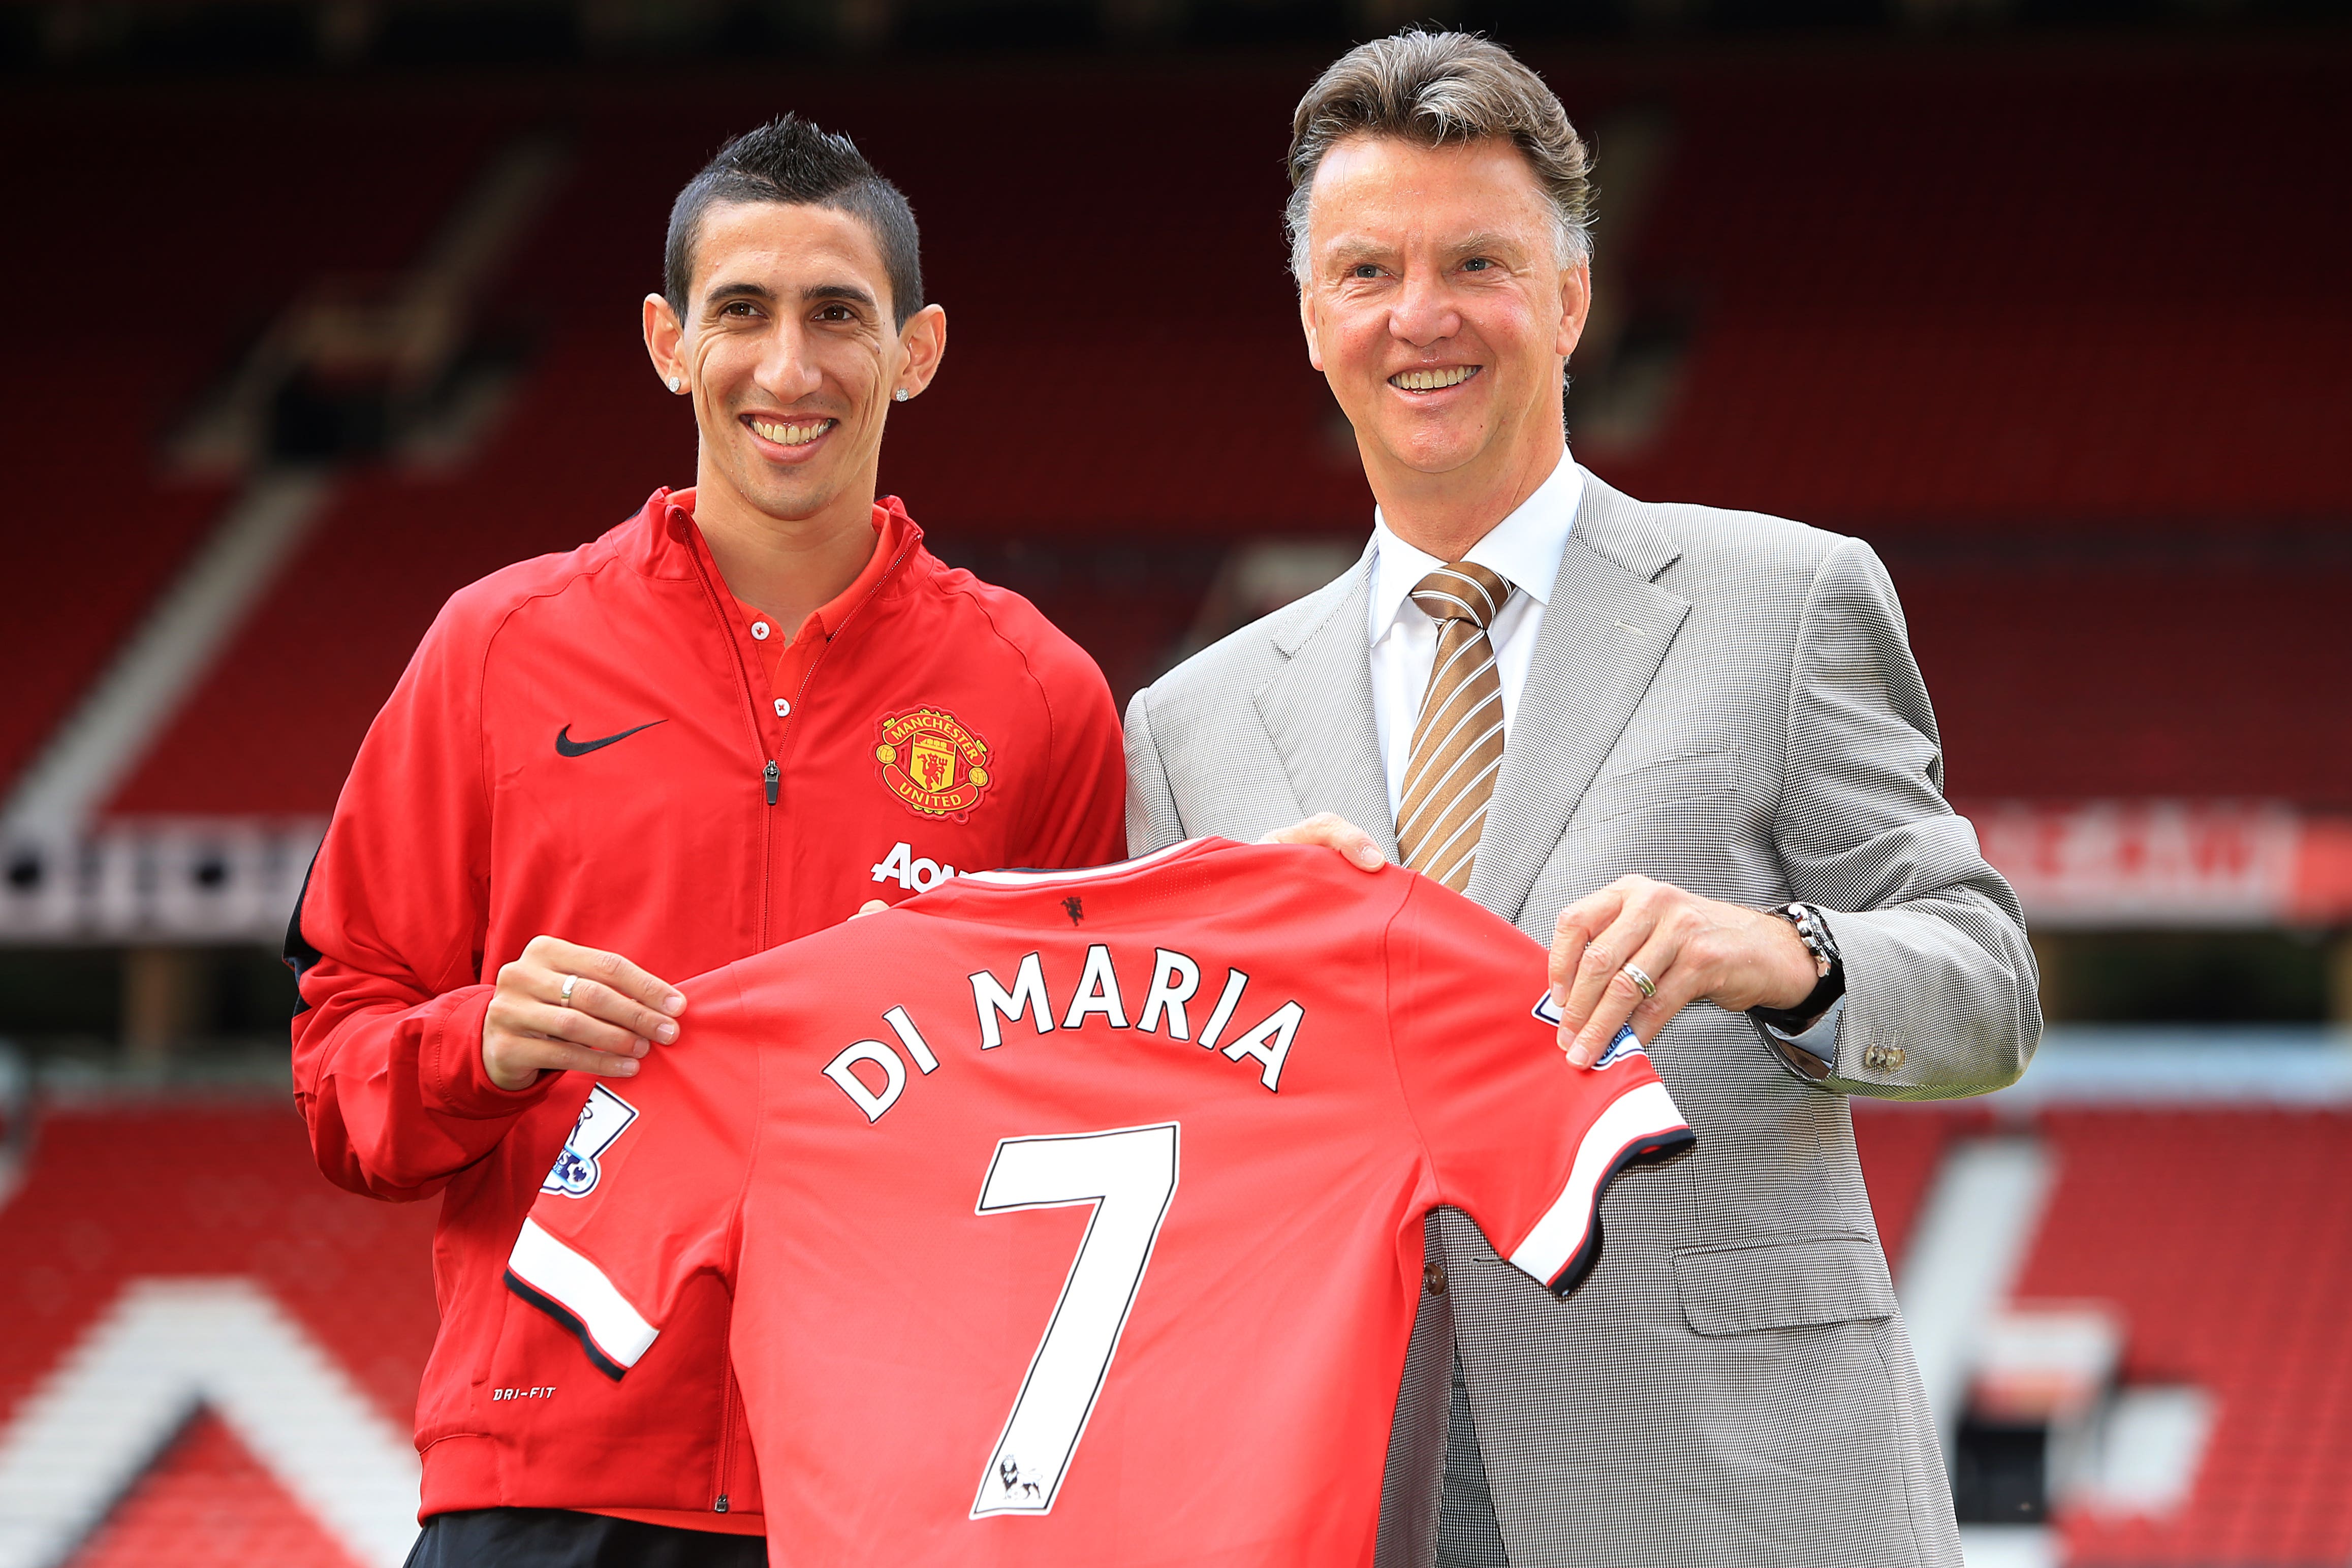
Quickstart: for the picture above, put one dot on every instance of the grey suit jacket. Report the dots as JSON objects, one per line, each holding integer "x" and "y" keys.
{"x": 1728, "y": 703}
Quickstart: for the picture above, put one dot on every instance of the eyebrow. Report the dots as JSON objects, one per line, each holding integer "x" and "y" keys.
{"x": 848, "y": 293}
{"x": 1349, "y": 249}
{"x": 1355, "y": 247}
{"x": 1485, "y": 239}
{"x": 720, "y": 293}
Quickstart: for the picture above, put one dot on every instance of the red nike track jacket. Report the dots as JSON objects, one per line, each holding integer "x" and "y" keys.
{"x": 586, "y": 745}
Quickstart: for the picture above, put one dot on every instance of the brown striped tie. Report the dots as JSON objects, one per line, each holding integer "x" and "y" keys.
{"x": 1458, "y": 742}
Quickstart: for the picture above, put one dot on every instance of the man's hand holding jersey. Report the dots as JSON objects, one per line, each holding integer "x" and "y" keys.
{"x": 1688, "y": 948}
{"x": 561, "y": 1007}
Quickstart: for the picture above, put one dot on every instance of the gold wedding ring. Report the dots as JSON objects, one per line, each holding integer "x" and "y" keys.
{"x": 1649, "y": 986}
{"x": 565, "y": 995}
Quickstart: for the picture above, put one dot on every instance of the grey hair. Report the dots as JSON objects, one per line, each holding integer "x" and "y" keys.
{"x": 1434, "y": 89}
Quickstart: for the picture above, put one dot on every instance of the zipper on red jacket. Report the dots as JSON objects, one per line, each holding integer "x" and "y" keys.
{"x": 726, "y": 1443}
{"x": 772, "y": 779}
{"x": 771, "y": 776}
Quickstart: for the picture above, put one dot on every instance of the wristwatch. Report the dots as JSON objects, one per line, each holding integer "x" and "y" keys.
{"x": 1813, "y": 931}
{"x": 1777, "y": 1023}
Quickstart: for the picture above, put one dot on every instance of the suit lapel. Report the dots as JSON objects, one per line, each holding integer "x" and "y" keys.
{"x": 1604, "y": 634}
{"x": 1318, "y": 708}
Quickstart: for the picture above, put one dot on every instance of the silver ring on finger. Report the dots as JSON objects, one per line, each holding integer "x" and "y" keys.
{"x": 1634, "y": 973}
{"x": 564, "y": 995}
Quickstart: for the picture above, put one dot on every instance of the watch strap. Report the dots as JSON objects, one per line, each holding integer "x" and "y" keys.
{"x": 1813, "y": 931}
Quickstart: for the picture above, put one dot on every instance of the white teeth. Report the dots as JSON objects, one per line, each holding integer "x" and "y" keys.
{"x": 792, "y": 435}
{"x": 1433, "y": 379}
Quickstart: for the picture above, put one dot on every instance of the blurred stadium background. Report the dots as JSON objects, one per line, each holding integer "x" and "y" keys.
{"x": 326, "y": 308}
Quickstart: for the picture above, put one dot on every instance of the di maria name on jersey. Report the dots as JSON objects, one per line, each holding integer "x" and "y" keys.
{"x": 1077, "y": 1217}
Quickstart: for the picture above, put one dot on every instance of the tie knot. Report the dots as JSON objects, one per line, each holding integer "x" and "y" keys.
{"x": 1462, "y": 591}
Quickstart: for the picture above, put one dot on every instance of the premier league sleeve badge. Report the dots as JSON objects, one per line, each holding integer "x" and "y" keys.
{"x": 605, "y": 1118}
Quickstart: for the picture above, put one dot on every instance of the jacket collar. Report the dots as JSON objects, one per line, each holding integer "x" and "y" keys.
{"x": 1605, "y": 633}
{"x": 664, "y": 540}
{"x": 1606, "y": 629}
{"x": 1317, "y": 706}
{"x": 1524, "y": 549}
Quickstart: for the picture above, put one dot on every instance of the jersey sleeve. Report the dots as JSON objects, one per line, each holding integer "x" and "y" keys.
{"x": 1519, "y": 1141}
{"x": 648, "y": 1192}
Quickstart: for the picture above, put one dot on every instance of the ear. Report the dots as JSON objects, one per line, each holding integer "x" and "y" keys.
{"x": 665, "y": 340}
{"x": 924, "y": 341}
{"x": 1311, "y": 326}
{"x": 1575, "y": 306}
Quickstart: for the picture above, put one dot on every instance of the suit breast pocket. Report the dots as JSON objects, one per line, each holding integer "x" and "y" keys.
{"x": 1705, "y": 779}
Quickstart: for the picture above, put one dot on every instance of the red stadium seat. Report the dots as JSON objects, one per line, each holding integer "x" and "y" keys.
{"x": 1981, "y": 350}
{"x": 2225, "y": 1237}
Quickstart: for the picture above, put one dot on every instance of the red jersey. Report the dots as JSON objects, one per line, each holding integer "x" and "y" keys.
{"x": 600, "y": 745}
{"x": 1077, "y": 1218}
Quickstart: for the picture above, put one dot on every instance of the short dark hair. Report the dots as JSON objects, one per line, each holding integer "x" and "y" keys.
{"x": 792, "y": 161}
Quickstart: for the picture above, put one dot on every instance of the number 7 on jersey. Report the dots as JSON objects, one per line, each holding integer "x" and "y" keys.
{"x": 1130, "y": 1176}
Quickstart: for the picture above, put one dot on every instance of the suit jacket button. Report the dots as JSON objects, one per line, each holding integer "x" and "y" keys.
{"x": 1894, "y": 1057}
{"x": 1432, "y": 1279}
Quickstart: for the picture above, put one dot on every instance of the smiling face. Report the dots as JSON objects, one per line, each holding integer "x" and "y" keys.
{"x": 789, "y": 350}
{"x": 1436, "y": 305}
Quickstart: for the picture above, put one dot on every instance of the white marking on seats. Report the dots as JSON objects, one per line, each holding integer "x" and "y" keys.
{"x": 1974, "y": 1231}
{"x": 166, "y": 1349}
{"x": 108, "y": 735}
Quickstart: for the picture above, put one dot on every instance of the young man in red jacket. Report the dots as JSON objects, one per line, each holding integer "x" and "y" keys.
{"x": 727, "y": 722}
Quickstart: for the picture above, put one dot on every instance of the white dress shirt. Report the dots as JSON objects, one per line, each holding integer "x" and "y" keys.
{"x": 1524, "y": 549}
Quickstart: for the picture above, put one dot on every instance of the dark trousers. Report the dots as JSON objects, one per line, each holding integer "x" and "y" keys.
{"x": 559, "y": 1538}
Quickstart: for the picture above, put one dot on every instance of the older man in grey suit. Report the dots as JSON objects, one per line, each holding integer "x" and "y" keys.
{"x": 1690, "y": 749}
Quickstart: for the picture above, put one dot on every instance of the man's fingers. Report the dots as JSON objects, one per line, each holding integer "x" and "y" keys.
{"x": 1577, "y": 926}
{"x": 1621, "y": 995}
{"x": 570, "y": 1026}
{"x": 1652, "y": 1017}
{"x": 609, "y": 968}
{"x": 1602, "y": 963}
{"x": 557, "y": 1055}
{"x": 523, "y": 1038}
{"x": 870, "y": 907}
{"x": 614, "y": 1010}
{"x": 594, "y": 999}
{"x": 622, "y": 976}
{"x": 1333, "y": 831}
{"x": 1568, "y": 945}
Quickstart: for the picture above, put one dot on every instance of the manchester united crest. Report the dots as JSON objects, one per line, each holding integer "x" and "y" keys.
{"x": 928, "y": 760}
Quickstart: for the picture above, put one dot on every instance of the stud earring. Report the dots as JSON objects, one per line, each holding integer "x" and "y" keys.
{"x": 901, "y": 394}
{"x": 674, "y": 384}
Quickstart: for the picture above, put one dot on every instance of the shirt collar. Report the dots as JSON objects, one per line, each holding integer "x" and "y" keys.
{"x": 893, "y": 531}
{"x": 1524, "y": 547}
{"x": 891, "y": 527}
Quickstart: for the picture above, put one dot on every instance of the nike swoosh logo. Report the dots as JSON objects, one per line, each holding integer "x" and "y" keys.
{"x": 565, "y": 746}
